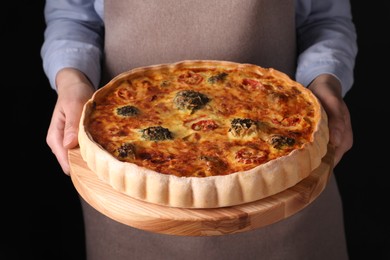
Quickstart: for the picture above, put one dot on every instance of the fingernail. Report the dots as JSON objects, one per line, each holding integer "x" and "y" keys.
{"x": 68, "y": 139}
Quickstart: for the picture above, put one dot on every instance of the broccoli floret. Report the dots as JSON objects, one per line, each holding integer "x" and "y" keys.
{"x": 127, "y": 111}
{"x": 190, "y": 100}
{"x": 242, "y": 126}
{"x": 156, "y": 133}
{"x": 218, "y": 77}
{"x": 126, "y": 150}
{"x": 280, "y": 141}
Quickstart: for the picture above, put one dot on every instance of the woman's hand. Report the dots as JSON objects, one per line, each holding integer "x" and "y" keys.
{"x": 327, "y": 88}
{"x": 73, "y": 89}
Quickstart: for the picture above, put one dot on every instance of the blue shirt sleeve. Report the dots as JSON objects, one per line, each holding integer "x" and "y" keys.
{"x": 73, "y": 38}
{"x": 327, "y": 42}
{"x": 325, "y": 31}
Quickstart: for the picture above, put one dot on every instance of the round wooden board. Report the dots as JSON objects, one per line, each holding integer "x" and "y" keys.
{"x": 196, "y": 222}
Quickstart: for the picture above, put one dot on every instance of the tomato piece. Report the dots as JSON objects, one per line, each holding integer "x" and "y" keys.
{"x": 204, "y": 125}
{"x": 190, "y": 78}
{"x": 125, "y": 94}
{"x": 249, "y": 155}
{"x": 252, "y": 84}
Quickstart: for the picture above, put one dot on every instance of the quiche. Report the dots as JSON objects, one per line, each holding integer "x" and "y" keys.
{"x": 202, "y": 133}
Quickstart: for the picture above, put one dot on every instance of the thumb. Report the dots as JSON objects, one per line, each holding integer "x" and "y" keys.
{"x": 71, "y": 128}
{"x": 70, "y": 137}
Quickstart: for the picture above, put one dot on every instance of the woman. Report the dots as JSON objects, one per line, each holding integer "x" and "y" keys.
{"x": 88, "y": 42}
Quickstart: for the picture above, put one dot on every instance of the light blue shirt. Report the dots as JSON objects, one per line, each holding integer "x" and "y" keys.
{"x": 325, "y": 32}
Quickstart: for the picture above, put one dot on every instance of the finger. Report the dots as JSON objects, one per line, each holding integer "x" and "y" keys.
{"x": 54, "y": 139}
{"x": 62, "y": 158}
{"x": 72, "y": 126}
{"x": 341, "y": 135}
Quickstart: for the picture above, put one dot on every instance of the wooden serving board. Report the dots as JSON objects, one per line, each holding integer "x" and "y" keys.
{"x": 196, "y": 222}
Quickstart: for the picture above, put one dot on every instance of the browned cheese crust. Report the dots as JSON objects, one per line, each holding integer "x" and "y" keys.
{"x": 203, "y": 134}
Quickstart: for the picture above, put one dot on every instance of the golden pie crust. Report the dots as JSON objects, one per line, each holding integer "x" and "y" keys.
{"x": 236, "y": 188}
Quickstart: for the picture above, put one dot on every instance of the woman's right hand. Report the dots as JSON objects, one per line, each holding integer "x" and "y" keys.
{"x": 73, "y": 90}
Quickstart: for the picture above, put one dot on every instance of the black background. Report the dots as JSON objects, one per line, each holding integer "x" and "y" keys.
{"x": 40, "y": 206}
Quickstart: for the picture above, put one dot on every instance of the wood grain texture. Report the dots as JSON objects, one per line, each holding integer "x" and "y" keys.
{"x": 196, "y": 222}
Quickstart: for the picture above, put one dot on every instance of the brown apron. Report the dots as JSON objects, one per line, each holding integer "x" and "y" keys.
{"x": 140, "y": 33}
{"x": 262, "y": 32}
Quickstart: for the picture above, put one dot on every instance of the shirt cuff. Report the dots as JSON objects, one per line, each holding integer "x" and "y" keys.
{"x": 86, "y": 61}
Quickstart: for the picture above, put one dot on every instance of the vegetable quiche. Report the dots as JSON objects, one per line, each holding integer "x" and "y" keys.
{"x": 203, "y": 134}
